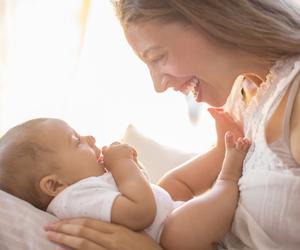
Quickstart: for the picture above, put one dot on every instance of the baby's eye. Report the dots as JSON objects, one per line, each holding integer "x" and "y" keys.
{"x": 77, "y": 141}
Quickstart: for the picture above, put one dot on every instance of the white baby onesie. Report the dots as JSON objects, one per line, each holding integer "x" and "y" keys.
{"x": 93, "y": 197}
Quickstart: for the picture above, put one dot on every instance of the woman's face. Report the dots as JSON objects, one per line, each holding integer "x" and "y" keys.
{"x": 180, "y": 57}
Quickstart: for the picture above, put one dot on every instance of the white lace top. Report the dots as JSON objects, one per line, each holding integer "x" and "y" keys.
{"x": 268, "y": 213}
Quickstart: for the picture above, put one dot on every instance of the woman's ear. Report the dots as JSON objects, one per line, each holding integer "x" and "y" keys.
{"x": 52, "y": 185}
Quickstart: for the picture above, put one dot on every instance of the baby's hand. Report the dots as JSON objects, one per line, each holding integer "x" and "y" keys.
{"x": 117, "y": 152}
{"x": 236, "y": 151}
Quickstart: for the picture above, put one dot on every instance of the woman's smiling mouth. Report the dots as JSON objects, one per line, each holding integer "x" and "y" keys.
{"x": 193, "y": 85}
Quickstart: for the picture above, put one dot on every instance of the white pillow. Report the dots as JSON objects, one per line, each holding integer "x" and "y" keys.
{"x": 21, "y": 224}
{"x": 156, "y": 158}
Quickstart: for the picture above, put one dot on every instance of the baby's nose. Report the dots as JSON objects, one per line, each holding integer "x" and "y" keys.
{"x": 91, "y": 140}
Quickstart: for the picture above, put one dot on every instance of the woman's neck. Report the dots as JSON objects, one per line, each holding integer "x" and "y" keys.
{"x": 257, "y": 72}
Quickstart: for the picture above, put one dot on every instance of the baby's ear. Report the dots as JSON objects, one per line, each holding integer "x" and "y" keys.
{"x": 52, "y": 185}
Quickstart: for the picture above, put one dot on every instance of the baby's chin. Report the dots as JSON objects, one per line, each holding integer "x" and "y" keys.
{"x": 102, "y": 169}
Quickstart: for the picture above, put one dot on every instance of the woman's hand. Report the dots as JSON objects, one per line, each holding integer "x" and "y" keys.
{"x": 91, "y": 234}
{"x": 224, "y": 122}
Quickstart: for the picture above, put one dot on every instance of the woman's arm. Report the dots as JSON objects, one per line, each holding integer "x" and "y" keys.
{"x": 90, "y": 234}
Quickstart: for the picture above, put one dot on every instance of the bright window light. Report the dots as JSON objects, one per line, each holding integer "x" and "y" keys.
{"x": 96, "y": 84}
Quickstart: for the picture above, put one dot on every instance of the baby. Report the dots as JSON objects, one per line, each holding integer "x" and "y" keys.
{"x": 47, "y": 163}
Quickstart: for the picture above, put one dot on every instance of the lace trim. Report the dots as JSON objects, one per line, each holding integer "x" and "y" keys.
{"x": 280, "y": 70}
{"x": 256, "y": 116}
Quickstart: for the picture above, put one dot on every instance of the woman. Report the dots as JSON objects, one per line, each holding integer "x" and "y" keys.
{"x": 218, "y": 49}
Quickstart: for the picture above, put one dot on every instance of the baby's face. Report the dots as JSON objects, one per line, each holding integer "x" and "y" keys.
{"x": 77, "y": 156}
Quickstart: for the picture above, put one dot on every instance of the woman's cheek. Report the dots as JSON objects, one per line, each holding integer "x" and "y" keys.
{"x": 174, "y": 68}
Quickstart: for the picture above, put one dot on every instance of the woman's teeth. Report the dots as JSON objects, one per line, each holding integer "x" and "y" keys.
{"x": 187, "y": 90}
{"x": 193, "y": 87}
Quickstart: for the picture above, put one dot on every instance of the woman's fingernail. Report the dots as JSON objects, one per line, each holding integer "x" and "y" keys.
{"x": 49, "y": 226}
{"x": 51, "y": 235}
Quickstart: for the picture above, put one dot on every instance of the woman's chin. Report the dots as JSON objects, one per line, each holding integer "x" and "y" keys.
{"x": 212, "y": 101}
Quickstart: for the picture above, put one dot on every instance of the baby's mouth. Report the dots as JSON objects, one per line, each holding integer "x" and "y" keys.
{"x": 100, "y": 159}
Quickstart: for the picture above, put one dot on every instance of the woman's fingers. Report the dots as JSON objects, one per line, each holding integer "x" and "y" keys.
{"x": 225, "y": 119}
{"x": 89, "y": 234}
{"x": 213, "y": 112}
{"x": 80, "y": 223}
{"x": 77, "y": 236}
{"x": 220, "y": 114}
{"x": 72, "y": 241}
{"x": 85, "y": 231}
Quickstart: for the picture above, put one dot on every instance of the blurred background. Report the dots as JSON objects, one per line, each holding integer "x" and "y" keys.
{"x": 69, "y": 59}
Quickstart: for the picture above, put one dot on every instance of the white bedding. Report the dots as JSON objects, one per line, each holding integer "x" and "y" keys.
{"x": 21, "y": 225}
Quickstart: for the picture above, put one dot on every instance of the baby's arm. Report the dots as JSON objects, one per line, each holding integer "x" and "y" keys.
{"x": 204, "y": 220}
{"x": 135, "y": 208}
{"x": 196, "y": 176}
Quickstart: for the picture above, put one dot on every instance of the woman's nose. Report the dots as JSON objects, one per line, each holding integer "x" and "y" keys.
{"x": 160, "y": 83}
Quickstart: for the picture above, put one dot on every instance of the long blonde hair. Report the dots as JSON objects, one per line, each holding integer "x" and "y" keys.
{"x": 269, "y": 29}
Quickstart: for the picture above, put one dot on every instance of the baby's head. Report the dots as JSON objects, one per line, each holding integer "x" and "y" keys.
{"x": 41, "y": 157}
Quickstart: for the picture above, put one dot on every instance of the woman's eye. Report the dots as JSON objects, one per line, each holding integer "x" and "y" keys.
{"x": 156, "y": 59}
